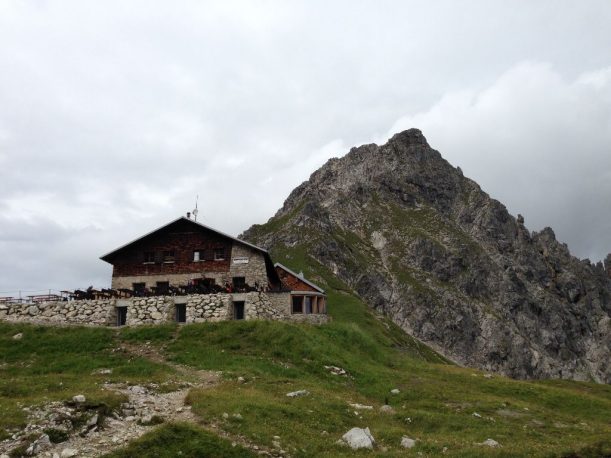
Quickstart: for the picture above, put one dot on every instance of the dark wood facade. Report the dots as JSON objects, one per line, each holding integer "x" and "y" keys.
{"x": 173, "y": 249}
{"x": 184, "y": 251}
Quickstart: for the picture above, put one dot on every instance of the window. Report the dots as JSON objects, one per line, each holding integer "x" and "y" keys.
{"x": 149, "y": 257}
{"x": 239, "y": 282}
{"x": 196, "y": 256}
{"x": 297, "y": 304}
{"x": 308, "y": 304}
{"x": 139, "y": 289}
{"x": 219, "y": 254}
{"x": 163, "y": 287}
{"x": 168, "y": 256}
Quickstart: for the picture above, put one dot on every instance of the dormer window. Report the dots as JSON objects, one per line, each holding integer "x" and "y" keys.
{"x": 219, "y": 254}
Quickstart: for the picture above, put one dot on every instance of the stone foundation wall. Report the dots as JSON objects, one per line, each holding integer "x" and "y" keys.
{"x": 208, "y": 307}
{"x": 158, "y": 309}
{"x": 96, "y": 312}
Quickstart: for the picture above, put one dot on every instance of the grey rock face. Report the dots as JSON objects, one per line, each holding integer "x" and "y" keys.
{"x": 425, "y": 245}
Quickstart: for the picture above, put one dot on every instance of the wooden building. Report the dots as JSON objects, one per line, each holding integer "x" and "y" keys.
{"x": 172, "y": 259}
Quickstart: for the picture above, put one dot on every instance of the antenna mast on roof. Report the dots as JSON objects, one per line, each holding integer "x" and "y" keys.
{"x": 195, "y": 209}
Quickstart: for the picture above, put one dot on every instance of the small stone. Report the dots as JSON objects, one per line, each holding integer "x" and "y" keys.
{"x": 69, "y": 453}
{"x": 102, "y": 372}
{"x": 136, "y": 389}
{"x": 93, "y": 421}
{"x": 361, "y": 406}
{"x": 387, "y": 409}
{"x": 294, "y": 394}
{"x": 475, "y": 414}
{"x": 407, "y": 442}
{"x": 241, "y": 379}
{"x": 395, "y": 391}
{"x": 18, "y": 336}
{"x": 358, "y": 438}
{"x": 225, "y": 415}
{"x": 490, "y": 443}
{"x": 79, "y": 398}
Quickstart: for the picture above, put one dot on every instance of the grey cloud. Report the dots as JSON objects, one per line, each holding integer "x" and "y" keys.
{"x": 115, "y": 115}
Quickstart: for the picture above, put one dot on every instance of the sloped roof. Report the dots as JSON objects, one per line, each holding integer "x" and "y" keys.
{"x": 300, "y": 277}
{"x": 107, "y": 256}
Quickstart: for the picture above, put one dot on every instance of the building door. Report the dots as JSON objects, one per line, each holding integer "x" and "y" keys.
{"x": 121, "y": 316}
{"x": 181, "y": 313}
{"x": 238, "y": 310}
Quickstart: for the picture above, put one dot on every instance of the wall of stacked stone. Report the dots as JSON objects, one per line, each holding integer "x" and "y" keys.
{"x": 208, "y": 307}
{"x": 148, "y": 310}
{"x": 95, "y": 312}
{"x": 158, "y": 309}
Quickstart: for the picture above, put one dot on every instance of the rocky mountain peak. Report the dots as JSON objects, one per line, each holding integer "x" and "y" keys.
{"x": 425, "y": 245}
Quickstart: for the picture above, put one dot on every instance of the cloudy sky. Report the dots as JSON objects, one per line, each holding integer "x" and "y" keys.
{"x": 114, "y": 115}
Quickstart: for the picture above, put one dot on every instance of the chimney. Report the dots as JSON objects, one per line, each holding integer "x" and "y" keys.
{"x": 188, "y": 215}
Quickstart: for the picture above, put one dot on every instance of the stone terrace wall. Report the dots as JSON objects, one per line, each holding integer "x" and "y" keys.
{"x": 158, "y": 309}
{"x": 96, "y": 312}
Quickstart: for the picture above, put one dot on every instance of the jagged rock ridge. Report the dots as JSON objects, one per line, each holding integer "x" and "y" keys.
{"x": 425, "y": 245}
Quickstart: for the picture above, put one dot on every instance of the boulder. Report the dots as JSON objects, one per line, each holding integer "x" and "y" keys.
{"x": 358, "y": 438}
{"x": 79, "y": 398}
{"x": 490, "y": 443}
{"x": 69, "y": 453}
{"x": 294, "y": 394}
{"x": 39, "y": 445}
{"x": 407, "y": 442}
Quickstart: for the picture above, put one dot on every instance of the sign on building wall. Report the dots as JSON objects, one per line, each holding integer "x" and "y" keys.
{"x": 240, "y": 260}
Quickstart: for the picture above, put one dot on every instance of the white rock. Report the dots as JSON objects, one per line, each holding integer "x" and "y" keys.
{"x": 69, "y": 453}
{"x": 407, "y": 442}
{"x": 136, "y": 389}
{"x": 359, "y": 438}
{"x": 361, "y": 406}
{"x": 387, "y": 409}
{"x": 79, "y": 398}
{"x": 102, "y": 372}
{"x": 475, "y": 414}
{"x": 490, "y": 443}
{"x": 93, "y": 421}
{"x": 395, "y": 391}
{"x": 294, "y": 394}
{"x": 18, "y": 337}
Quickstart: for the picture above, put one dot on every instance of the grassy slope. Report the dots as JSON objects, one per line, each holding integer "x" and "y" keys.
{"x": 436, "y": 403}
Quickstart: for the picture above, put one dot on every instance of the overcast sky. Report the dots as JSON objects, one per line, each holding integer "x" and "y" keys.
{"x": 114, "y": 115}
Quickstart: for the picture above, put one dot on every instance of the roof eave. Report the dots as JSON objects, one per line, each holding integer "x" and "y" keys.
{"x": 109, "y": 254}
